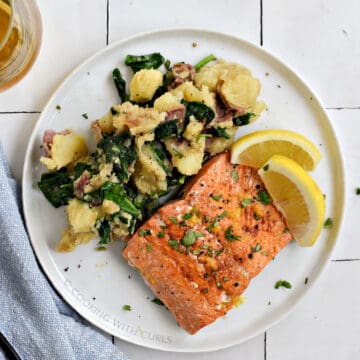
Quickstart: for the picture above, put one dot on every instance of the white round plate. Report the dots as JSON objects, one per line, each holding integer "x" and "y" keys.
{"x": 98, "y": 284}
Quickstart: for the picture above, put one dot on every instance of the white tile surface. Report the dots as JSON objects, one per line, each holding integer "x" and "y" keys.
{"x": 321, "y": 40}
{"x": 326, "y": 325}
{"x": 72, "y": 31}
{"x": 346, "y": 125}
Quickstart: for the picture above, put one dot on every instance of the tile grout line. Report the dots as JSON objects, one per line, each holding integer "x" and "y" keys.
{"x": 19, "y": 112}
{"x": 345, "y": 260}
{"x": 261, "y": 23}
{"x": 265, "y": 345}
{"x": 107, "y": 22}
{"x": 343, "y": 108}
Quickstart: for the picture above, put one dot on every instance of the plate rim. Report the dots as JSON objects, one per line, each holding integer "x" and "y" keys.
{"x": 44, "y": 267}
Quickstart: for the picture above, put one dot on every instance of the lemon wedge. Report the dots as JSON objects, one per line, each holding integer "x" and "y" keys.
{"x": 256, "y": 148}
{"x": 296, "y": 196}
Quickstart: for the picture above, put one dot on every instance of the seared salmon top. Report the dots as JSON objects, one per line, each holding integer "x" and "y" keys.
{"x": 198, "y": 254}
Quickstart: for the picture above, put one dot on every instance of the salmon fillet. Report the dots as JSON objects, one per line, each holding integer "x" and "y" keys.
{"x": 199, "y": 253}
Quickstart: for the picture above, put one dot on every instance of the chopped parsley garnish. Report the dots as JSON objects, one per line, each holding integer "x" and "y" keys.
{"x": 177, "y": 153}
{"x": 127, "y": 307}
{"x": 225, "y": 278}
{"x": 266, "y": 167}
{"x": 149, "y": 248}
{"x": 286, "y": 230}
{"x": 257, "y": 248}
{"x": 218, "y": 252}
{"x": 143, "y": 232}
{"x": 187, "y": 216}
{"x": 157, "y": 301}
{"x": 223, "y": 214}
{"x": 190, "y": 237}
{"x": 234, "y": 174}
{"x": 173, "y": 219}
{"x": 282, "y": 283}
{"x": 216, "y": 197}
{"x": 257, "y": 217}
{"x": 328, "y": 223}
{"x": 229, "y": 235}
{"x": 265, "y": 253}
{"x": 244, "y": 203}
{"x": 161, "y": 234}
{"x": 213, "y": 225}
{"x": 173, "y": 243}
{"x": 264, "y": 197}
{"x": 196, "y": 252}
{"x": 357, "y": 191}
{"x": 85, "y": 116}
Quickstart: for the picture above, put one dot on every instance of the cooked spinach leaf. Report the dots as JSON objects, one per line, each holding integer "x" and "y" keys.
{"x": 199, "y": 110}
{"x": 204, "y": 61}
{"x": 243, "y": 119}
{"x": 119, "y": 147}
{"x": 104, "y": 232}
{"x": 120, "y": 85}
{"x": 220, "y": 132}
{"x": 167, "y": 129}
{"x": 116, "y": 193}
{"x": 149, "y": 61}
{"x": 80, "y": 167}
{"x": 57, "y": 187}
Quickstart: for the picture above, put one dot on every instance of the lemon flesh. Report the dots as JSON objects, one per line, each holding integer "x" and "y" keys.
{"x": 297, "y": 196}
{"x": 256, "y": 148}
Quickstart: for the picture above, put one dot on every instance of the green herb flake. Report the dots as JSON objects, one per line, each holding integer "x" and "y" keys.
{"x": 187, "y": 216}
{"x": 213, "y": 225}
{"x": 196, "y": 252}
{"x": 357, "y": 191}
{"x": 144, "y": 232}
{"x": 223, "y": 214}
{"x": 216, "y": 197}
{"x": 127, "y": 307}
{"x": 203, "y": 136}
{"x": 264, "y": 197}
{"x": 173, "y": 243}
{"x": 224, "y": 279}
{"x": 173, "y": 219}
{"x": 282, "y": 283}
{"x": 157, "y": 301}
{"x": 218, "y": 252}
{"x": 257, "y": 248}
{"x": 328, "y": 223}
{"x": 266, "y": 167}
{"x": 190, "y": 237}
{"x": 234, "y": 174}
{"x": 306, "y": 280}
{"x": 101, "y": 248}
{"x": 229, "y": 235}
{"x": 286, "y": 230}
{"x": 257, "y": 217}
{"x": 149, "y": 247}
{"x": 244, "y": 203}
{"x": 177, "y": 153}
{"x": 58, "y": 107}
{"x": 265, "y": 253}
{"x": 161, "y": 234}
{"x": 85, "y": 116}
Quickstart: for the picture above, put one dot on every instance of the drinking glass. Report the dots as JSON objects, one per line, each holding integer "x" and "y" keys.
{"x": 20, "y": 39}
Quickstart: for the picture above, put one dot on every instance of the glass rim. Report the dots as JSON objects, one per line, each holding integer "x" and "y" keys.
{"x": 10, "y": 25}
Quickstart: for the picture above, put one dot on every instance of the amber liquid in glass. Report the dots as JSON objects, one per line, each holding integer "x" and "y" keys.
{"x": 10, "y": 48}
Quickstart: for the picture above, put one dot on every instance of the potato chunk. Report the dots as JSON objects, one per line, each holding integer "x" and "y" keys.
{"x": 167, "y": 102}
{"x": 186, "y": 156}
{"x": 137, "y": 119}
{"x": 239, "y": 92}
{"x": 144, "y": 84}
{"x": 64, "y": 150}
{"x": 81, "y": 218}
